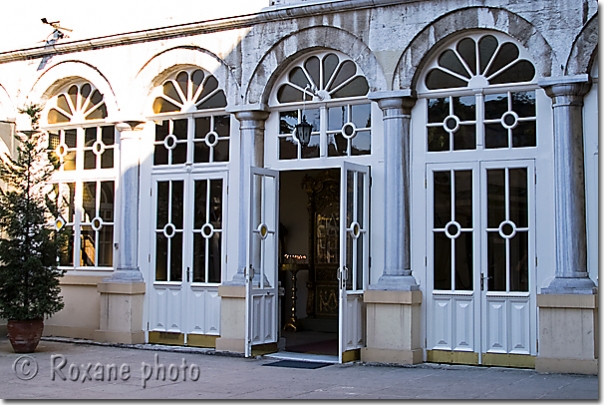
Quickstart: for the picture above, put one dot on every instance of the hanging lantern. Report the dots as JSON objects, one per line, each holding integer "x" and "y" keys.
{"x": 303, "y": 130}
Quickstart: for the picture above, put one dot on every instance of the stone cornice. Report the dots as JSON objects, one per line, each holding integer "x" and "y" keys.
{"x": 267, "y": 15}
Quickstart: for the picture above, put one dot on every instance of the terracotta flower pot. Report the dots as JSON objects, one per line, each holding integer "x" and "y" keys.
{"x": 24, "y": 336}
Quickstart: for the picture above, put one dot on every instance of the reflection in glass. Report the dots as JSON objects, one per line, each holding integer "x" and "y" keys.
{"x": 442, "y": 261}
{"x": 495, "y": 197}
{"x": 442, "y": 199}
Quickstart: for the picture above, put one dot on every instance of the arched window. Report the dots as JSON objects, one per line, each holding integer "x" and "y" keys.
{"x": 191, "y": 125}
{"x": 480, "y": 96}
{"x": 328, "y": 90}
{"x": 84, "y": 185}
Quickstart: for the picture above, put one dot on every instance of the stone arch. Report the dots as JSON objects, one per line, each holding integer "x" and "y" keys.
{"x": 584, "y": 49}
{"x": 277, "y": 59}
{"x": 69, "y": 71}
{"x": 157, "y": 69}
{"x": 8, "y": 112}
{"x": 419, "y": 50}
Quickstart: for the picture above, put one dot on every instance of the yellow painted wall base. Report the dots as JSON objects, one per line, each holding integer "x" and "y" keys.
{"x": 167, "y": 338}
{"x": 351, "y": 355}
{"x": 259, "y": 350}
{"x": 443, "y": 356}
{"x": 198, "y": 340}
{"x": 508, "y": 360}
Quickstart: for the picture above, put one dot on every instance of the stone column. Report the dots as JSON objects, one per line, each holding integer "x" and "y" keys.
{"x": 396, "y": 107}
{"x": 121, "y": 302}
{"x": 569, "y": 185}
{"x": 393, "y": 304}
{"x": 232, "y": 292}
{"x": 568, "y": 306}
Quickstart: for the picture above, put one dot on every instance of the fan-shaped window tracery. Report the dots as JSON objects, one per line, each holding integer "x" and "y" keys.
{"x": 189, "y": 91}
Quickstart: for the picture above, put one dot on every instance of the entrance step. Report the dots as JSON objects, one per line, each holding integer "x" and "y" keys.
{"x": 313, "y": 358}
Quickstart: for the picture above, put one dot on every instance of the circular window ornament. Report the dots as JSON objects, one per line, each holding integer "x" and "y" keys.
{"x": 263, "y": 231}
{"x": 507, "y": 229}
{"x": 207, "y": 231}
{"x": 509, "y": 120}
{"x": 61, "y": 150}
{"x": 452, "y": 229}
{"x": 97, "y": 223}
{"x": 211, "y": 139}
{"x": 451, "y": 123}
{"x": 170, "y": 141}
{"x": 98, "y": 147}
{"x": 169, "y": 230}
{"x": 355, "y": 230}
{"x": 349, "y": 130}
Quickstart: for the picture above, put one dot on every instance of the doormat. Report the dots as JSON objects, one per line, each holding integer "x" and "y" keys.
{"x": 297, "y": 364}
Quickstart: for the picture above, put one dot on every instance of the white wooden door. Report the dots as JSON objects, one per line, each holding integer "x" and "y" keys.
{"x": 481, "y": 260}
{"x": 261, "y": 273}
{"x": 354, "y": 258}
{"x": 188, "y": 257}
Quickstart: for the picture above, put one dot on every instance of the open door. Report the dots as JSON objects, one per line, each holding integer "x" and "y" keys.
{"x": 261, "y": 273}
{"x": 354, "y": 259}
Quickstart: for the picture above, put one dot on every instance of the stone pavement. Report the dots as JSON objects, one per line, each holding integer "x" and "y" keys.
{"x": 213, "y": 376}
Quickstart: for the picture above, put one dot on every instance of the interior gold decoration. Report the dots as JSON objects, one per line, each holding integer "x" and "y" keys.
{"x": 293, "y": 263}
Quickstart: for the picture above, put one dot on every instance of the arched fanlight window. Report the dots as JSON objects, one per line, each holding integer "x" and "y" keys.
{"x": 329, "y": 91}
{"x": 189, "y": 91}
{"x": 474, "y": 108}
{"x": 192, "y": 127}
{"x": 85, "y": 185}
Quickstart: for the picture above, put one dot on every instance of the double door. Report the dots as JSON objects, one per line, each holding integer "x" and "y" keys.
{"x": 261, "y": 272}
{"x": 481, "y": 263}
{"x": 189, "y": 257}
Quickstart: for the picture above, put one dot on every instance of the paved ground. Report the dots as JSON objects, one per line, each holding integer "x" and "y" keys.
{"x": 224, "y": 377}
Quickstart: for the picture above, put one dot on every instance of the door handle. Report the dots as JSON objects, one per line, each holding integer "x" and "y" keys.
{"x": 188, "y": 274}
{"x": 482, "y": 277}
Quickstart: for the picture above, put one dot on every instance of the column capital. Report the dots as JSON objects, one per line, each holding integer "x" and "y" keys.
{"x": 566, "y": 90}
{"x": 389, "y": 100}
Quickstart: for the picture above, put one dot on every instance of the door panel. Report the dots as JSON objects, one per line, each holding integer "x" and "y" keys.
{"x": 261, "y": 273}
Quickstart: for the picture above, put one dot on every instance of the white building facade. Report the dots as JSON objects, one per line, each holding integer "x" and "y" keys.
{"x": 444, "y": 209}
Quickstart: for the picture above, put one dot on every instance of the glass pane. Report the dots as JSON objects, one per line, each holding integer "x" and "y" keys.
{"x": 521, "y": 71}
{"x": 201, "y": 191}
{"x": 288, "y": 94}
{"x": 177, "y": 203}
{"x": 356, "y": 87}
{"x": 107, "y": 201}
{"x": 465, "y": 108}
{"x": 349, "y": 261}
{"x": 336, "y": 117}
{"x": 449, "y": 60}
{"x": 222, "y": 125}
{"x": 361, "y": 116}
{"x": 199, "y": 258}
{"x": 56, "y": 117}
{"x": 312, "y": 150}
{"x": 182, "y": 79}
{"x": 507, "y": 53}
{"x": 108, "y": 135}
{"x": 63, "y": 104}
{"x": 438, "y": 139}
{"x": 89, "y": 136}
{"x": 524, "y": 135}
{"x": 201, "y": 152}
{"x": 330, "y": 63}
{"x": 495, "y": 105}
{"x": 496, "y": 261}
{"x": 442, "y": 198}
{"x": 179, "y": 154}
{"x": 87, "y": 246}
{"x": 337, "y": 145}
{"x": 463, "y": 198}
{"x": 360, "y": 198}
{"x": 221, "y": 151}
{"x": 523, "y": 103}
{"x": 496, "y": 136}
{"x": 487, "y": 46}
{"x": 438, "y": 109}
{"x": 85, "y": 90}
{"x": 215, "y": 259}
{"x": 217, "y": 100}
{"x": 105, "y": 246}
{"x": 350, "y": 191}
{"x": 196, "y": 78}
{"x": 442, "y": 261}
{"x": 216, "y": 203}
{"x": 161, "y": 105}
{"x": 288, "y": 121}
{"x": 107, "y": 159}
{"x": 209, "y": 86}
{"x": 518, "y": 198}
{"x": 312, "y": 66}
{"x": 66, "y": 250}
{"x": 162, "y": 203}
{"x": 465, "y": 137}
{"x": 495, "y": 197}
{"x": 161, "y": 130}
{"x": 202, "y": 127}
{"x": 89, "y": 160}
{"x": 297, "y": 77}
{"x": 519, "y": 262}
{"x": 180, "y": 129}
{"x": 73, "y": 95}
{"x": 346, "y": 70}
{"x": 71, "y": 138}
{"x": 438, "y": 79}
{"x": 314, "y": 118}
{"x": 69, "y": 161}
{"x": 359, "y": 264}
{"x": 160, "y": 155}
{"x": 170, "y": 91}
{"x": 467, "y": 49}
{"x": 89, "y": 201}
{"x": 464, "y": 259}
{"x": 361, "y": 143}
{"x": 161, "y": 257}
{"x": 288, "y": 148}
{"x": 176, "y": 257}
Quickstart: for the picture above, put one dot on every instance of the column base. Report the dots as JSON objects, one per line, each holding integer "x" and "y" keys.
{"x": 393, "y": 327}
{"x": 396, "y": 283}
{"x": 232, "y": 319}
{"x": 568, "y": 333}
{"x": 121, "y": 312}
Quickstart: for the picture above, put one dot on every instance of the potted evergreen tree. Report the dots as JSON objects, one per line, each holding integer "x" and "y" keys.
{"x": 30, "y": 241}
